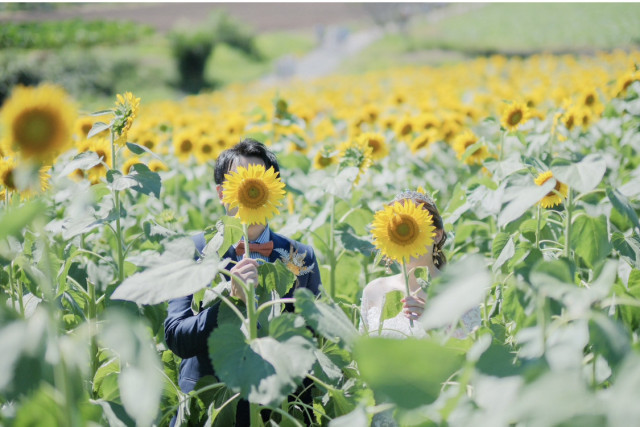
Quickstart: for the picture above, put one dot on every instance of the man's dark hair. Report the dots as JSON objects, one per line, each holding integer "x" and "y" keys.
{"x": 248, "y": 147}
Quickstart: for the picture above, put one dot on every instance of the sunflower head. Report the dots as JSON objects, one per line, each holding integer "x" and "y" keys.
{"x": 127, "y": 107}
{"x": 555, "y": 196}
{"x": 515, "y": 115}
{"x": 323, "y": 159}
{"x": 157, "y": 166}
{"x": 253, "y": 194}
{"x": 8, "y": 167}
{"x": 403, "y": 230}
{"x": 39, "y": 121}
{"x": 357, "y": 153}
{"x": 464, "y": 141}
{"x": 379, "y": 149}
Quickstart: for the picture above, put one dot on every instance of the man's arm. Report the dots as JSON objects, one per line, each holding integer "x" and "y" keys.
{"x": 186, "y": 333}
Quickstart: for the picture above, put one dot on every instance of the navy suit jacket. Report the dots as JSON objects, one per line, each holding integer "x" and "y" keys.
{"x": 186, "y": 333}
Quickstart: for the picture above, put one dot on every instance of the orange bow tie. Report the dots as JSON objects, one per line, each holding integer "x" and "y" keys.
{"x": 263, "y": 249}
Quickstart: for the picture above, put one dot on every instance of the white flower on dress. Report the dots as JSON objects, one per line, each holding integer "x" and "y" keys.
{"x": 294, "y": 261}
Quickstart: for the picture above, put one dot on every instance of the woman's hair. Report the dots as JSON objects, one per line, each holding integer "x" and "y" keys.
{"x": 439, "y": 259}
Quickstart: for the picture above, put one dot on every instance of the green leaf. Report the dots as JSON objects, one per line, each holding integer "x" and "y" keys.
{"x": 83, "y": 161}
{"x": 264, "y": 371}
{"x": 392, "y": 305}
{"x": 355, "y": 418}
{"x": 99, "y": 127}
{"x": 584, "y": 176}
{"x": 628, "y": 247}
{"x": 327, "y": 319}
{"x": 105, "y": 381}
{"x": 590, "y": 238}
{"x": 499, "y": 241}
{"x": 499, "y": 360}
{"x": 148, "y": 182}
{"x": 351, "y": 242}
{"x": 276, "y": 277}
{"x": 526, "y": 198}
{"x": 14, "y": 220}
{"x": 460, "y": 288}
{"x": 179, "y": 275}
{"x": 608, "y": 338}
{"x": 505, "y": 255}
{"x": 389, "y": 367}
{"x": 622, "y": 205}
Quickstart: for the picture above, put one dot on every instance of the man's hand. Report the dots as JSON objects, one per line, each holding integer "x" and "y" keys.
{"x": 247, "y": 271}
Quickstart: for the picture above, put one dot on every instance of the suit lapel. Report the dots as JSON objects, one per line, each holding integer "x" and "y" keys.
{"x": 279, "y": 242}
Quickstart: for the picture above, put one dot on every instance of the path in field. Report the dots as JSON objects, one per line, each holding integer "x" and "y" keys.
{"x": 338, "y": 44}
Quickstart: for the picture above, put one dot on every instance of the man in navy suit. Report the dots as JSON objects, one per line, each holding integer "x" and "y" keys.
{"x": 186, "y": 333}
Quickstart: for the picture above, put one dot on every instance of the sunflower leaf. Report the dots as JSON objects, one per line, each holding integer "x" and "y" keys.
{"x": 140, "y": 149}
{"x": 15, "y": 219}
{"x": 585, "y": 175}
{"x": 392, "y": 305}
{"x": 622, "y": 205}
{"x": 83, "y": 161}
{"x": 527, "y": 197}
{"x": 590, "y": 238}
{"x": 99, "y": 127}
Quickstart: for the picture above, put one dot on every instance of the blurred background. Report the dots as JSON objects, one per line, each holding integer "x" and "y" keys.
{"x": 169, "y": 50}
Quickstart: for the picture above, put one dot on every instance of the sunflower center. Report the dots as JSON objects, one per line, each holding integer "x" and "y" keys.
{"x": 403, "y": 230}
{"x": 7, "y": 178}
{"x": 469, "y": 143}
{"x": 406, "y": 129}
{"x": 86, "y": 127}
{"x": 206, "y": 149}
{"x": 186, "y": 145}
{"x": 149, "y": 143}
{"x": 556, "y": 188}
{"x": 569, "y": 123}
{"x": 375, "y": 144}
{"x": 325, "y": 161}
{"x": 253, "y": 194}
{"x": 515, "y": 117}
{"x": 102, "y": 155}
{"x": 35, "y": 129}
{"x": 589, "y": 100}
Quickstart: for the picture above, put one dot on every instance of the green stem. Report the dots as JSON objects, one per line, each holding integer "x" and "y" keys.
{"x": 502, "y": 145}
{"x": 91, "y": 316}
{"x": 252, "y": 318}
{"x": 19, "y": 289}
{"x": 116, "y": 198}
{"x": 538, "y": 227}
{"x": 332, "y": 244}
{"x": 406, "y": 283}
{"x": 11, "y": 285}
{"x": 567, "y": 227}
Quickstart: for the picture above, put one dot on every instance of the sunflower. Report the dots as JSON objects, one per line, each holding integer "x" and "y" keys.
{"x": 39, "y": 121}
{"x": 552, "y": 198}
{"x": 147, "y": 139}
{"x": 184, "y": 144}
{"x": 378, "y": 145}
{"x": 323, "y": 159}
{"x": 127, "y": 107}
{"x": 403, "y": 230}
{"x": 466, "y": 140}
{"x": 570, "y": 118}
{"x": 128, "y": 165}
{"x": 427, "y": 121}
{"x": 357, "y": 153}
{"x": 404, "y": 127}
{"x": 102, "y": 147}
{"x": 424, "y": 140}
{"x": 157, "y": 166}
{"x": 255, "y": 193}
{"x": 205, "y": 149}
{"x": 515, "y": 115}
{"x": 8, "y": 168}
{"x": 625, "y": 81}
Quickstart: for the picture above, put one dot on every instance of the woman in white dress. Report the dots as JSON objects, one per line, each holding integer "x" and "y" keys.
{"x": 373, "y": 296}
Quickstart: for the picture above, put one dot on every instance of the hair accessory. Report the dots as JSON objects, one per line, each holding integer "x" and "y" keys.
{"x": 414, "y": 195}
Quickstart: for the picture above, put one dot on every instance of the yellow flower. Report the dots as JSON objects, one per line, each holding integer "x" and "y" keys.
{"x": 515, "y": 115}
{"x": 570, "y": 118}
{"x": 625, "y": 81}
{"x": 403, "y": 230}
{"x": 404, "y": 127}
{"x": 84, "y": 124}
{"x": 157, "y": 166}
{"x": 552, "y": 198}
{"x": 39, "y": 121}
{"x": 127, "y": 168}
{"x": 356, "y": 153}
{"x": 8, "y": 168}
{"x": 205, "y": 149}
{"x": 184, "y": 144}
{"x": 323, "y": 159}
{"x": 378, "y": 145}
{"x": 424, "y": 140}
{"x": 147, "y": 139}
{"x": 102, "y": 147}
{"x": 255, "y": 193}
{"x": 127, "y": 107}
{"x": 464, "y": 141}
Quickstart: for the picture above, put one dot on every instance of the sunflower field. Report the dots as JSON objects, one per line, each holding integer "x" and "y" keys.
{"x": 535, "y": 167}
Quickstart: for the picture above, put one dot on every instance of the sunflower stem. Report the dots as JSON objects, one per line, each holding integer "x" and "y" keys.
{"x": 116, "y": 198}
{"x": 252, "y": 315}
{"x": 502, "y": 138}
{"x": 11, "y": 291}
{"x": 538, "y": 227}
{"x": 332, "y": 244}
{"x": 406, "y": 283}
{"x": 567, "y": 228}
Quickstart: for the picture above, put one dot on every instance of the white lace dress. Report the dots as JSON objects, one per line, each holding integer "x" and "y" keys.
{"x": 399, "y": 326}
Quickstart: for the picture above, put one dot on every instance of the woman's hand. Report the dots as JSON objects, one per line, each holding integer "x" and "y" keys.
{"x": 247, "y": 271}
{"x": 413, "y": 305}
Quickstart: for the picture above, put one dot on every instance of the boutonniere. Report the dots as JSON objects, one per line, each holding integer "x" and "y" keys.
{"x": 294, "y": 261}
